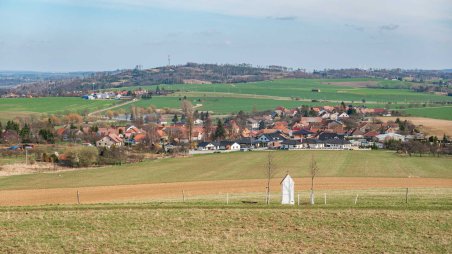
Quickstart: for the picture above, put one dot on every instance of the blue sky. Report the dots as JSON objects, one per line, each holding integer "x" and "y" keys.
{"x": 77, "y": 35}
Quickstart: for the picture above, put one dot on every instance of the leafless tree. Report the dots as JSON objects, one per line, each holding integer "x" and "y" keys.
{"x": 187, "y": 109}
{"x": 270, "y": 172}
{"x": 313, "y": 170}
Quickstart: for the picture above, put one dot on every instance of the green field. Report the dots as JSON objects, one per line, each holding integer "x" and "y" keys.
{"x": 265, "y": 95}
{"x": 11, "y": 107}
{"x": 227, "y": 98}
{"x": 222, "y": 105}
{"x": 437, "y": 113}
{"x": 203, "y": 228}
{"x": 240, "y": 165}
{"x": 302, "y": 88}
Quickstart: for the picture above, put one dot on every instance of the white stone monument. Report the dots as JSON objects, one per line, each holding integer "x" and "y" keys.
{"x": 288, "y": 191}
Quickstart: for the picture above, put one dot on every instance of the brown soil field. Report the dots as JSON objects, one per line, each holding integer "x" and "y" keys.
{"x": 353, "y": 84}
{"x": 430, "y": 126}
{"x": 150, "y": 192}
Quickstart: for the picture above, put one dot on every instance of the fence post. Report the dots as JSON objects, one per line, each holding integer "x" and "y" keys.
{"x": 78, "y": 197}
{"x": 406, "y": 196}
{"x": 183, "y": 196}
{"x": 298, "y": 199}
{"x": 356, "y": 199}
{"x": 227, "y": 198}
{"x": 324, "y": 195}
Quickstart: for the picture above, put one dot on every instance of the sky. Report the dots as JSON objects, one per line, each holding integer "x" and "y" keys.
{"x": 97, "y": 35}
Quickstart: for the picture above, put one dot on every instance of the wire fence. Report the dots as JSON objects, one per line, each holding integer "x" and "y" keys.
{"x": 364, "y": 197}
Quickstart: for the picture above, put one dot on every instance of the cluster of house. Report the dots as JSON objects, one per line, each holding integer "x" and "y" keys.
{"x": 327, "y": 130}
{"x": 103, "y": 96}
{"x": 124, "y": 94}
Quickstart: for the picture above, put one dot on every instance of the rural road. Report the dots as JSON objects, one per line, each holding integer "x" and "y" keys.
{"x": 112, "y": 107}
{"x": 159, "y": 191}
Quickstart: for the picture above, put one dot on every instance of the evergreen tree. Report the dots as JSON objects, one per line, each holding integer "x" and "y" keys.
{"x": 343, "y": 106}
{"x": 11, "y": 125}
{"x": 175, "y": 118}
{"x": 25, "y": 133}
{"x": 47, "y": 135}
{"x": 220, "y": 132}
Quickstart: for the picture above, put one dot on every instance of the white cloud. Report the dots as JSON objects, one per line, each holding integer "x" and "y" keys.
{"x": 387, "y": 11}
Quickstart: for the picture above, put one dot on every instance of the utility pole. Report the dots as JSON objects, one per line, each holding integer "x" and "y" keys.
{"x": 169, "y": 60}
{"x": 26, "y": 156}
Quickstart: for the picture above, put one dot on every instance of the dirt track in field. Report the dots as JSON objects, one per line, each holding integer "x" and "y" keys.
{"x": 149, "y": 192}
{"x": 431, "y": 126}
{"x": 356, "y": 84}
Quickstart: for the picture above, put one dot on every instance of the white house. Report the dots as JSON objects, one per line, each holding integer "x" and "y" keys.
{"x": 198, "y": 122}
{"x": 291, "y": 144}
{"x": 325, "y": 115}
{"x": 110, "y": 140}
{"x": 229, "y": 145}
{"x": 336, "y": 143}
{"x": 334, "y": 116}
{"x": 287, "y": 190}
{"x": 208, "y": 146}
{"x": 344, "y": 115}
{"x": 311, "y": 143}
{"x": 252, "y": 123}
{"x": 387, "y": 136}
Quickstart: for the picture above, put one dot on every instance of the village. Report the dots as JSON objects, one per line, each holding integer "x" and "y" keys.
{"x": 187, "y": 131}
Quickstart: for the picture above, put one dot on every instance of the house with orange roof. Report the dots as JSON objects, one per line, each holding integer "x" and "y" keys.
{"x": 109, "y": 141}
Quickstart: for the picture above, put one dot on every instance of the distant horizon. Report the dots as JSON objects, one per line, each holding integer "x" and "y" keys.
{"x": 255, "y": 66}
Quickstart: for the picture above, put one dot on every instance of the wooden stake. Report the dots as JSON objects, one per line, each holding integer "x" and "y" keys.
{"x": 324, "y": 196}
{"x": 406, "y": 196}
{"x": 356, "y": 199}
{"x": 227, "y": 198}
{"x": 298, "y": 199}
{"x": 78, "y": 197}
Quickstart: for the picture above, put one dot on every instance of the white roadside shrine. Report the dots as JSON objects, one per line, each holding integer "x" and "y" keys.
{"x": 288, "y": 190}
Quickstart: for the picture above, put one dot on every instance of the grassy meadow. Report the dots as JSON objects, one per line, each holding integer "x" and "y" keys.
{"x": 204, "y": 228}
{"x": 434, "y": 112}
{"x": 222, "y": 105}
{"x": 240, "y": 165}
{"x": 227, "y": 98}
{"x": 12, "y": 107}
{"x": 302, "y": 88}
{"x": 265, "y": 95}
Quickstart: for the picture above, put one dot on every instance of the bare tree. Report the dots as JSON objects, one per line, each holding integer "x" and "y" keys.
{"x": 314, "y": 169}
{"x": 187, "y": 109}
{"x": 270, "y": 171}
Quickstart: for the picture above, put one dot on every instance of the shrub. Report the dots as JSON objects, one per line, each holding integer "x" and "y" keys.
{"x": 82, "y": 156}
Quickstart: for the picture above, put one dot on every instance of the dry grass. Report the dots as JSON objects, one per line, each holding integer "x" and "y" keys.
{"x": 22, "y": 168}
{"x": 151, "y": 229}
{"x": 208, "y": 190}
{"x": 430, "y": 126}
